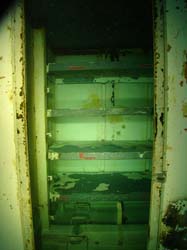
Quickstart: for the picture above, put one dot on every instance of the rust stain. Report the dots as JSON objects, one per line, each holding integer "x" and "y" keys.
{"x": 162, "y": 118}
{"x": 181, "y": 83}
{"x": 21, "y": 105}
{"x": 93, "y": 102}
{"x": 169, "y": 47}
{"x": 115, "y": 118}
{"x": 21, "y": 91}
{"x": 185, "y": 70}
{"x": 169, "y": 147}
{"x": 184, "y": 109}
{"x": 19, "y": 116}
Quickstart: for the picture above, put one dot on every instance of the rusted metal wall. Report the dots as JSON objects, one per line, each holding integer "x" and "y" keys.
{"x": 175, "y": 156}
{"x": 16, "y": 231}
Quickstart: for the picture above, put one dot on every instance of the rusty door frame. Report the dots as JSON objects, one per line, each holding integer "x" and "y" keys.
{"x": 158, "y": 173}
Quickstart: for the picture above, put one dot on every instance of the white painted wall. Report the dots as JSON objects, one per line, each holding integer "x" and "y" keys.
{"x": 14, "y": 174}
{"x": 176, "y": 102}
{"x": 10, "y": 223}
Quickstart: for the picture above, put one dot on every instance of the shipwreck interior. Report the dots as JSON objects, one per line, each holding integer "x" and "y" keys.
{"x": 90, "y": 122}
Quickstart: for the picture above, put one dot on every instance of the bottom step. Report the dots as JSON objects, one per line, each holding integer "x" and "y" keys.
{"x": 96, "y": 237}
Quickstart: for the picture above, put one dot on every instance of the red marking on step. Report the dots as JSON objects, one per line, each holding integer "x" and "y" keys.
{"x": 83, "y": 157}
{"x": 76, "y": 67}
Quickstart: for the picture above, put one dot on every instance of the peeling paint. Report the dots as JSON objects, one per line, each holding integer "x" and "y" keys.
{"x": 80, "y": 183}
{"x": 135, "y": 176}
{"x": 69, "y": 185}
{"x": 102, "y": 187}
{"x": 53, "y": 155}
{"x": 181, "y": 207}
{"x": 54, "y": 196}
{"x": 64, "y": 181}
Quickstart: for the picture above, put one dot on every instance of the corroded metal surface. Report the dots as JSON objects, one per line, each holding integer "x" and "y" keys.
{"x": 170, "y": 127}
{"x": 175, "y": 221}
{"x": 159, "y": 119}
